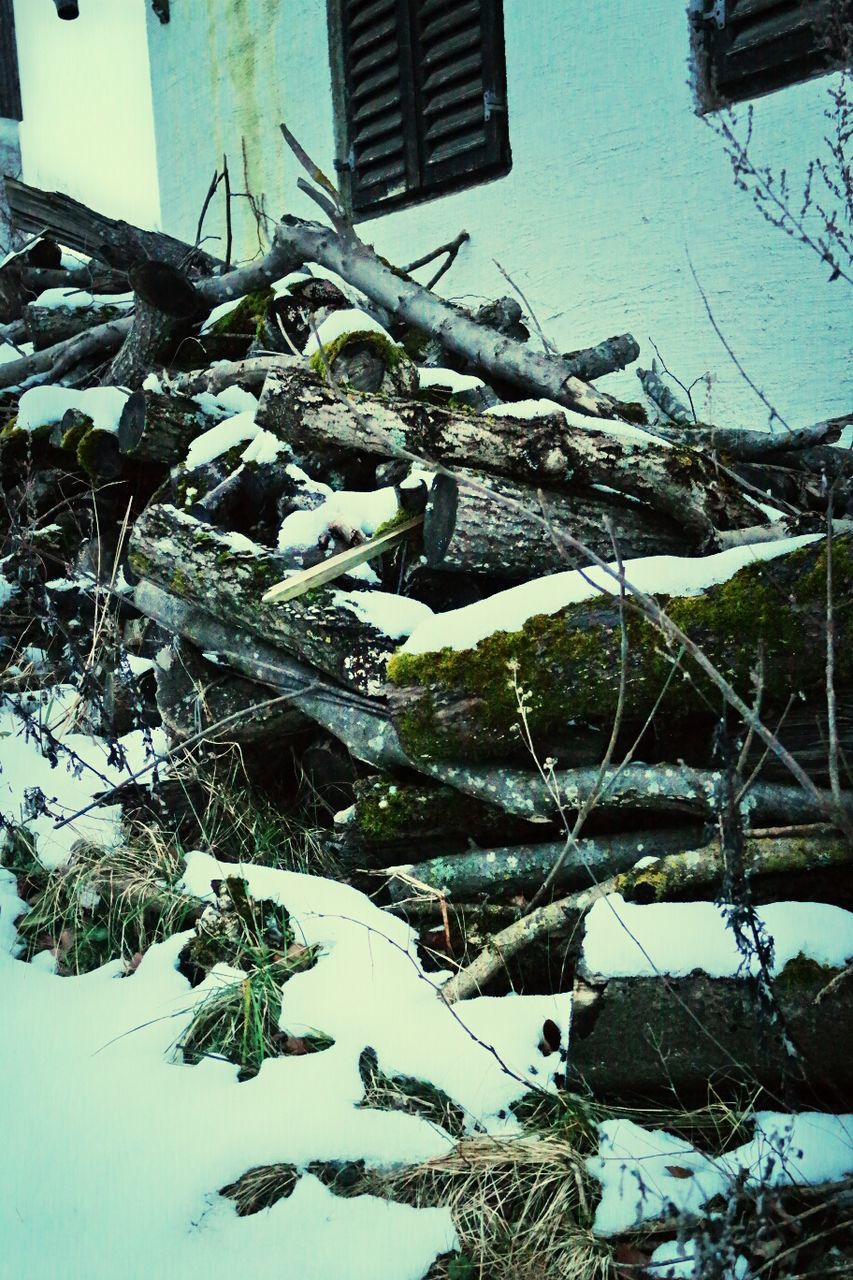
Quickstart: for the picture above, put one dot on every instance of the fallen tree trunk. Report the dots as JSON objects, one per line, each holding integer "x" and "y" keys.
{"x": 513, "y": 540}
{"x": 250, "y": 374}
{"x": 662, "y": 789}
{"x": 503, "y": 873}
{"x": 359, "y": 723}
{"x": 678, "y": 874}
{"x": 194, "y": 695}
{"x": 297, "y": 407}
{"x": 458, "y": 704}
{"x": 78, "y": 227}
{"x": 57, "y": 360}
{"x": 608, "y": 356}
{"x": 228, "y": 574}
{"x": 46, "y": 326}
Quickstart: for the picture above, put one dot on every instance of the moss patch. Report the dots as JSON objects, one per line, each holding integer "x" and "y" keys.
{"x": 247, "y": 317}
{"x": 568, "y": 662}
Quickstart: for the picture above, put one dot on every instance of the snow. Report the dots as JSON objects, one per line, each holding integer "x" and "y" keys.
{"x": 394, "y": 616}
{"x": 7, "y": 590}
{"x": 121, "y": 1150}
{"x": 265, "y": 447}
{"x": 673, "y": 1260}
{"x": 8, "y": 353}
{"x": 656, "y": 575}
{"x": 239, "y": 429}
{"x": 623, "y": 939}
{"x": 448, "y": 379}
{"x": 74, "y": 299}
{"x": 83, "y": 771}
{"x": 364, "y": 512}
{"x": 347, "y": 320}
{"x": 232, "y": 400}
{"x": 42, "y": 405}
{"x": 642, "y": 1171}
{"x": 583, "y": 422}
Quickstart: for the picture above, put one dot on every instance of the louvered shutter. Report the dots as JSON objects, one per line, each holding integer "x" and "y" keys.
{"x": 758, "y": 45}
{"x": 461, "y": 89}
{"x": 425, "y": 96}
{"x": 10, "y": 92}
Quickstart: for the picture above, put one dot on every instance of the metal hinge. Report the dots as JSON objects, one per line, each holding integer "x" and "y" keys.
{"x": 491, "y": 102}
{"x": 347, "y": 165}
{"x": 716, "y": 13}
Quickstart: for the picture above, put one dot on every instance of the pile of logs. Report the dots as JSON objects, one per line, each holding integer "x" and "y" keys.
{"x": 467, "y": 769}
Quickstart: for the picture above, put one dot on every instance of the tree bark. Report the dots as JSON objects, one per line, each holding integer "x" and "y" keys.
{"x": 228, "y": 575}
{"x": 150, "y": 329}
{"x": 361, "y": 724}
{"x": 513, "y": 542}
{"x": 81, "y": 228}
{"x": 667, "y": 878}
{"x": 609, "y": 356}
{"x": 57, "y": 360}
{"x": 458, "y": 705}
{"x": 684, "y": 1031}
{"x": 157, "y": 427}
{"x": 503, "y": 873}
{"x": 46, "y": 326}
{"x": 194, "y": 695}
{"x": 303, "y": 412}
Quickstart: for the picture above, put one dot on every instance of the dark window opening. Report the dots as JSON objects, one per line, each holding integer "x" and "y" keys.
{"x": 422, "y": 97}
{"x": 752, "y": 47}
{"x": 10, "y": 90}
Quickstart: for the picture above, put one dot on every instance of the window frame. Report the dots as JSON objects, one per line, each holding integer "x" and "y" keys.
{"x": 711, "y": 41}
{"x": 10, "y": 84}
{"x": 423, "y": 188}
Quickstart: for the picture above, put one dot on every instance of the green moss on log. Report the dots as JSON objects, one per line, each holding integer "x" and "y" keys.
{"x": 248, "y": 316}
{"x": 568, "y": 662}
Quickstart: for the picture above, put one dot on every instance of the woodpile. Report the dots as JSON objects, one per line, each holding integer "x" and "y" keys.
{"x": 512, "y": 675}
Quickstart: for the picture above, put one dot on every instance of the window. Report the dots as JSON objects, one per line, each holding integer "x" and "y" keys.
{"x": 421, "y": 95}
{"x": 10, "y": 91}
{"x": 750, "y": 47}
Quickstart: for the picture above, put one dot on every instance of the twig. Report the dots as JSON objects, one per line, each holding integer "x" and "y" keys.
{"x": 452, "y": 248}
{"x": 229, "y": 238}
{"x": 211, "y": 192}
{"x": 775, "y": 415}
{"x": 546, "y": 342}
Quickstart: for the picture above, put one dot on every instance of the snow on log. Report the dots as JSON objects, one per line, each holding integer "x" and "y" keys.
{"x": 680, "y": 483}
{"x": 453, "y": 698}
{"x": 228, "y": 574}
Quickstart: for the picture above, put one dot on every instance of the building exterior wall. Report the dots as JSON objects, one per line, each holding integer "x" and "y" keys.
{"x": 219, "y": 90}
{"x": 616, "y": 186}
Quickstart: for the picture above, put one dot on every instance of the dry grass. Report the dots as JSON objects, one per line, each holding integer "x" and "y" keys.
{"x": 106, "y": 904}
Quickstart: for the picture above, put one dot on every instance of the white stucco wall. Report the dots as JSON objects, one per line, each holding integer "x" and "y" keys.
{"x": 614, "y": 180}
{"x": 218, "y": 89}
{"x": 87, "y": 127}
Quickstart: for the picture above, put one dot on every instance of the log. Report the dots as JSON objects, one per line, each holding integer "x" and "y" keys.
{"x": 608, "y": 356}
{"x": 302, "y": 411}
{"x": 250, "y": 374}
{"x": 48, "y": 325}
{"x": 677, "y": 875}
{"x": 512, "y": 541}
{"x": 194, "y": 695}
{"x": 389, "y": 815}
{"x": 670, "y": 789}
{"x": 683, "y": 1032}
{"x": 90, "y": 276}
{"x": 78, "y": 227}
{"x": 743, "y": 444}
{"x": 159, "y": 427}
{"x": 55, "y": 361}
{"x": 503, "y": 873}
{"x": 361, "y": 724}
{"x": 228, "y": 574}
{"x": 150, "y": 330}
{"x": 458, "y": 704}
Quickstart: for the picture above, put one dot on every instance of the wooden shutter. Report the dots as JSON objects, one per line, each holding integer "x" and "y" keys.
{"x": 461, "y": 89}
{"x": 425, "y": 90}
{"x": 10, "y": 90}
{"x": 758, "y": 45}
